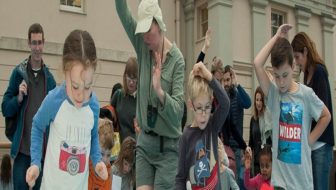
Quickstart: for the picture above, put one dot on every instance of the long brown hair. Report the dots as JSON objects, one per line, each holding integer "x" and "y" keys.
{"x": 6, "y": 170}
{"x": 257, "y": 114}
{"x": 300, "y": 42}
{"x": 127, "y": 152}
{"x": 131, "y": 70}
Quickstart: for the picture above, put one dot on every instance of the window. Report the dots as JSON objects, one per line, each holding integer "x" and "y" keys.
{"x": 203, "y": 20}
{"x": 72, "y": 5}
{"x": 277, "y": 19}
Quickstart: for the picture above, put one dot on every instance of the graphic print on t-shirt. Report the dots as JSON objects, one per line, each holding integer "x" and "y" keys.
{"x": 290, "y": 121}
{"x": 72, "y": 158}
{"x": 202, "y": 166}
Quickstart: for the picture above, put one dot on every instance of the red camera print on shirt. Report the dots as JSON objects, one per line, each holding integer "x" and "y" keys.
{"x": 72, "y": 159}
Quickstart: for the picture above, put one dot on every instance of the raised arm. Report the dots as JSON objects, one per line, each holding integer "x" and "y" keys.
{"x": 244, "y": 98}
{"x": 260, "y": 59}
{"x": 205, "y": 47}
{"x": 127, "y": 21}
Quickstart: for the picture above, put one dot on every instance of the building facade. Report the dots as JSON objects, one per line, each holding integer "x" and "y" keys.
{"x": 240, "y": 29}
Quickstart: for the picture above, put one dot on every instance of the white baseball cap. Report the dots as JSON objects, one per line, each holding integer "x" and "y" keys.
{"x": 147, "y": 10}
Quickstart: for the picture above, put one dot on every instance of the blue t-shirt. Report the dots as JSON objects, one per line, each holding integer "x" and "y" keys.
{"x": 292, "y": 117}
{"x": 72, "y": 138}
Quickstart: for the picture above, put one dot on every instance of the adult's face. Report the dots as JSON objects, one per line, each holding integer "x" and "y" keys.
{"x": 227, "y": 81}
{"x": 153, "y": 38}
{"x": 36, "y": 45}
{"x": 259, "y": 102}
{"x": 300, "y": 60}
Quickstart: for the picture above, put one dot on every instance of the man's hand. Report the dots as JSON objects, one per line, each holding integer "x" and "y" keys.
{"x": 22, "y": 91}
{"x": 234, "y": 78}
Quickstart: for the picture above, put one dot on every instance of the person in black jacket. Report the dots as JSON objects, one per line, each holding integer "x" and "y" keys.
{"x": 316, "y": 77}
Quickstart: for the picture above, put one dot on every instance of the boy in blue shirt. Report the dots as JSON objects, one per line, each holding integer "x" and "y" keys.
{"x": 295, "y": 105}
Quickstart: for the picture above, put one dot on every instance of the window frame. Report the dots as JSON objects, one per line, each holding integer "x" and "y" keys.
{"x": 200, "y": 22}
{"x": 278, "y": 13}
{"x": 74, "y": 9}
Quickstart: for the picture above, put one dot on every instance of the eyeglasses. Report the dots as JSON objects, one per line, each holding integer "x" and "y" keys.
{"x": 200, "y": 110}
{"x": 36, "y": 42}
{"x": 129, "y": 79}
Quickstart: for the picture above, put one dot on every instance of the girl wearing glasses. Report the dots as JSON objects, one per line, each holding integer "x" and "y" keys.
{"x": 124, "y": 100}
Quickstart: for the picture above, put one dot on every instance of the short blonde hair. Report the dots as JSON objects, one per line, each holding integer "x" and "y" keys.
{"x": 105, "y": 131}
{"x": 198, "y": 86}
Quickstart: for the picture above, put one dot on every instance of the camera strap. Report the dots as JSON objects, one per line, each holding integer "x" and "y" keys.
{"x": 161, "y": 144}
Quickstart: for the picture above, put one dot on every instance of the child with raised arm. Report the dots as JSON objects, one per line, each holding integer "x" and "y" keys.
{"x": 296, "y": 105}
{"x": 262, "y": 181}
{"x": 198, "y": 154}
{"x": 70, "y": 113}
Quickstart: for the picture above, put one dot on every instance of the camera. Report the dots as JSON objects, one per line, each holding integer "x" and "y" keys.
{"x": 72, "y": 159}
{"x": 151, "y": 116}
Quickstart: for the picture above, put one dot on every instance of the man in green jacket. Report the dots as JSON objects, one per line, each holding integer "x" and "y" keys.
{"x": 29, "y": 83}
{"x": 160, "y": 95}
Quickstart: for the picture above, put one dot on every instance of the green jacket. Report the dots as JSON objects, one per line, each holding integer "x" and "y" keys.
{"x": 10, "y": 106}
{"x": 167, "y": 121}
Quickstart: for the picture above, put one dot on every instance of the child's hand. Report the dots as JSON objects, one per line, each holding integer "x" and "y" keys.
{"x": 136, "y": 126}
{"x": 199, "y": 69}
{"x": 247, "y": 161}
{"x": 101, "y": 170}
{"x": 283, "y": 30}
{"x": 248, "y": 150}
{"x": 32, "y": 173}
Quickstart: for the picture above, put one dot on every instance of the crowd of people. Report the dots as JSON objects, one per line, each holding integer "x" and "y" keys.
{"x": 62, "y": 139}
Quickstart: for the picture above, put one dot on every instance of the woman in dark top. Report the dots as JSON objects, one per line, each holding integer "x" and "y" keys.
{"x": 257, "y": 125}
{"x": 316, "y": 77}
{"x": 124, "y": 100}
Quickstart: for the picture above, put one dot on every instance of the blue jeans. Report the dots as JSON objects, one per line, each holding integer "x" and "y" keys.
{"x": 321, "y": 162}
{"x": 20, "y": 166}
